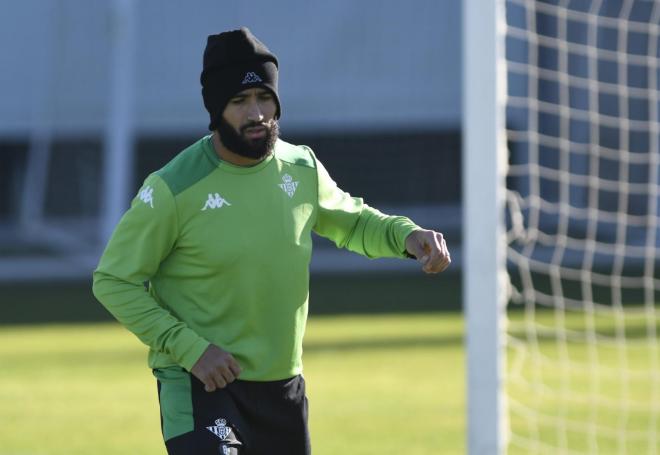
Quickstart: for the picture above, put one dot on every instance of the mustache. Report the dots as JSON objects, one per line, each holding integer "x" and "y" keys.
{"x": 255, "y": 124}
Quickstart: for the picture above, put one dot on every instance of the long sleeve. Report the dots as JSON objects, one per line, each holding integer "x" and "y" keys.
{"x": 352, "y": 224}
{"x": 143, "y": 239}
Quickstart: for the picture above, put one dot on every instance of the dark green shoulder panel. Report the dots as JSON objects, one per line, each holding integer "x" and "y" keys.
{"x": 187, "y": 168}
{"x": 300, "y": 155}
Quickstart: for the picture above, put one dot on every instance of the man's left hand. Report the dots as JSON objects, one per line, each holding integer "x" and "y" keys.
{"x": 430, "y": 249}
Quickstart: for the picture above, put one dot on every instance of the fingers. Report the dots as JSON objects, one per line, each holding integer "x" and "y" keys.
{"x": 214, "y": 381}
{"x": 430, "y": 249}
{"x": 210, "y": 384}
{"x": 220, "y": 378}
{"x": 438, "y": 258}
{"x": 443, "y": 258}
{"x": 234, "y": 367}
{"x": 227, "y": 372}
{"x": 216, "y": 369}
{"x": 447, "y": 256}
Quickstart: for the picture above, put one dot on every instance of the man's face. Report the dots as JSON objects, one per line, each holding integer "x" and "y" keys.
{"x": 248, "y": 126}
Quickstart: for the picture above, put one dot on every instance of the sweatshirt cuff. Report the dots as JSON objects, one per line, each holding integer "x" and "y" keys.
{"x": 190, "y": 357}
{"x": 405, "y": 227}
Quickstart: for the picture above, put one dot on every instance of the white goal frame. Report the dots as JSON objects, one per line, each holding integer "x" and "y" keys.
{"x": 582, "y": 236}
{"x": 484, "y": 162}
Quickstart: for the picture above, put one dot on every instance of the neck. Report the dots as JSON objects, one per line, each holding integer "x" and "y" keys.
{"x": 233, "y": 158}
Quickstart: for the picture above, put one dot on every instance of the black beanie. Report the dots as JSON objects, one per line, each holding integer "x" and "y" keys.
{"x": 235, "y": 61}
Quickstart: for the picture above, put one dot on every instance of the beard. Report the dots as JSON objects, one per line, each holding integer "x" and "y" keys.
{"x": 237, "y": 142}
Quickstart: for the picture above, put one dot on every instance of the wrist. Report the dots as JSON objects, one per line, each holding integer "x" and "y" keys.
{"x": 407, "y": 244}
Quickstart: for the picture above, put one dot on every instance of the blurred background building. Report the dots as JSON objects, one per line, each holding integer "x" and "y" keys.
{"x": 96, "y": 95}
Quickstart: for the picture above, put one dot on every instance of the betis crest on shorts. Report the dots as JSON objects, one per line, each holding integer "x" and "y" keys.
{"x": 220, "y": 429}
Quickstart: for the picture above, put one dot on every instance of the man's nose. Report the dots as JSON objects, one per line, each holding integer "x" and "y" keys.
{"x": 254, "y": 112}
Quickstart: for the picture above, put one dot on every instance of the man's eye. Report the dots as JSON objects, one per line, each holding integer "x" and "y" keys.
{"x": 237, "y": 100}
{"x": 266, "y": 97}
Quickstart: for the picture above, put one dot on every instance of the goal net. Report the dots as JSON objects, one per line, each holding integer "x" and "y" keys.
{"x": 582, "y": 129}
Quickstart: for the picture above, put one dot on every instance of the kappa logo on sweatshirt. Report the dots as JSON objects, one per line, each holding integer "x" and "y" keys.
{"x": 146, "y": 195}
{"x": 215, "y": 201}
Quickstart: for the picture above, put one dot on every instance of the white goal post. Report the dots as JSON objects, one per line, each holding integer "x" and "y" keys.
{"x": 484, "y": 161}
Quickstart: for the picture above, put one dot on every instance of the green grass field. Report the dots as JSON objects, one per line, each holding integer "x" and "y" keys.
{"x": 567, "y": 395}
{"x": 377, "y": 384}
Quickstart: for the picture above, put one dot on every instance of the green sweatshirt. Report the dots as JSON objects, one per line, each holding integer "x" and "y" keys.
{"x": 226, "y": 250}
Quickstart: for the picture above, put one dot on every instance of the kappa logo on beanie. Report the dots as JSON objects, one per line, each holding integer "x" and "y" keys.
{"x": 251, "y": 78}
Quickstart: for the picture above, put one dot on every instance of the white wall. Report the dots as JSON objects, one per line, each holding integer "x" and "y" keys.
{"x": 343, "y": 64}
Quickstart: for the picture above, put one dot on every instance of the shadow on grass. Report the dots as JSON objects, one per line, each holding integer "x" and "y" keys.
{"x": 341, "y": 293}
{"x": 609, "y": 334}
{"x": 384, "y": 343}
{"x": 81, "y": 359}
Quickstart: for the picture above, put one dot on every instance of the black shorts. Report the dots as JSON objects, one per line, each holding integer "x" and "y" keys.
{"x": 244, "y": 418}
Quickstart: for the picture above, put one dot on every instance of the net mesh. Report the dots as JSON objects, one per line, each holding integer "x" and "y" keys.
{"x": 583, "y": 134}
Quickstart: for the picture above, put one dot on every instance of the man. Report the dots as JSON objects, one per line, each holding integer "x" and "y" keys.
{"x": 222, "y": 235}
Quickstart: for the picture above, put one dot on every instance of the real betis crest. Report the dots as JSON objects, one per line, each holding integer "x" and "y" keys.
{"x": 220, "y": 429}
{"x": 289, "y": 186}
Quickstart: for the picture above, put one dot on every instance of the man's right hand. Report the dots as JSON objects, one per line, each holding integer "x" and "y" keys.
{"x": 216, "y": 368}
